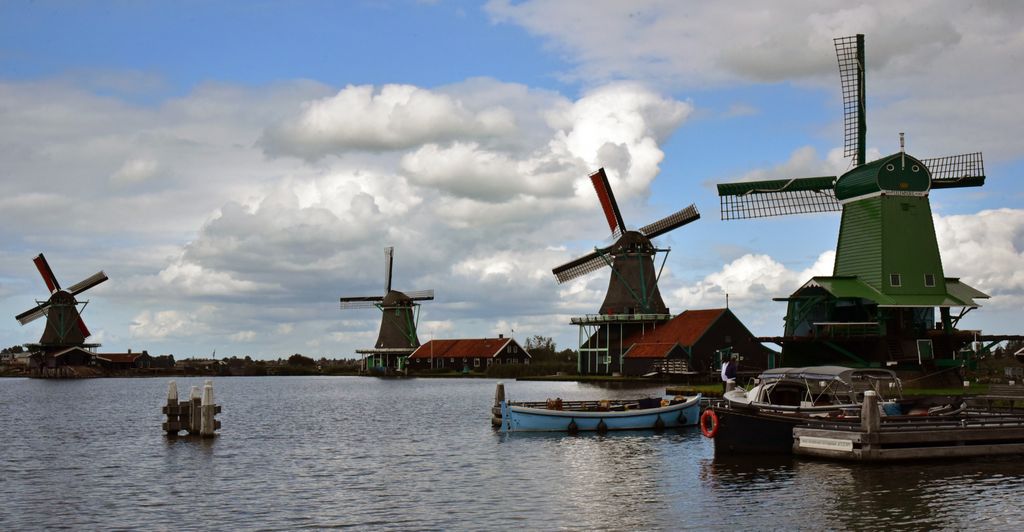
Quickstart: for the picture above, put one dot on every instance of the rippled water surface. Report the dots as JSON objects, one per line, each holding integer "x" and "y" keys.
{"x": 420, "y": 454}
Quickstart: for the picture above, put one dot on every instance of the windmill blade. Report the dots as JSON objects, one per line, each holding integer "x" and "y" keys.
{"x": 850, "y": 52}
{"x": 670, "y": 222}
{"x": 577, "y": 268}
{"x": 360, "y": 302}
{"x": 760, "y": 199}
{"x": 83, "y": 328}
{"x": 421, "y": 295}
{"x": 608, "y": 203}
{"x": 954, "y": 171}
{"x": 33, "y": 314}
{"x": 88, "y": 283}
{"x": 48, "y": 277}
{"x": 389, "y": 261}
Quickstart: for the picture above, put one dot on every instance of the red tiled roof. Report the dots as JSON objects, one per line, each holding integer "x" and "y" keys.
{"x": 685, "y": 329}
{"x": 650, "y": 350}
{"x": 462, "y": 348}
{"x": 118, "y": 358}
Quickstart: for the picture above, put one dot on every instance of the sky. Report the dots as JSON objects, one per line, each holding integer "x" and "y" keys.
{"x": 236, "y": 167}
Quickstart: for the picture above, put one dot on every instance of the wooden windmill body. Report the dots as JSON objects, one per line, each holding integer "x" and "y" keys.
{"x": 633, "y": 301}
{"x": 397, "y": 337}
{"x": 63, "y": 341}
{"x": 878, "y": 306}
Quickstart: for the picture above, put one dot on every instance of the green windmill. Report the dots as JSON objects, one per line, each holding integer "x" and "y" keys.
{"x": 878, "y": 307}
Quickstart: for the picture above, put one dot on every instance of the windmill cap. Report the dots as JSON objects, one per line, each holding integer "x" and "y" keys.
{"x": 898, "y": 173}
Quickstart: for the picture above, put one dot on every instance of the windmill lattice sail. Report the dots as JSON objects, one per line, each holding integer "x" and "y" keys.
{"x": 761, "y": 199}
{"x": 966, "y": 170}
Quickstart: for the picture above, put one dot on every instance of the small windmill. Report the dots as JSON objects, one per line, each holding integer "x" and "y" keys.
{"x": 399, "y": 318}
{"x": 64, "y": 325}
{"x": 888, "y": 275}
{"x": 633, "y": 288}
{"x": 633, "y": 302}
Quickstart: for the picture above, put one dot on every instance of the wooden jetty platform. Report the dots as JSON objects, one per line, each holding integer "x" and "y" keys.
{"x": 870, "y": 439}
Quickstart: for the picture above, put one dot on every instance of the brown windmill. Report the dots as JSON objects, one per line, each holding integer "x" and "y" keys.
{"x": 633, "y": 300}
{"x": 397, "y": 338}
{"x": 64, "y": 325}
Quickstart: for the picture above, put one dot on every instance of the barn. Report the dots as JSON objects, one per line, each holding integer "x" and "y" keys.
{"x": 692, "y": 342}
{"x": 476, "y": 354}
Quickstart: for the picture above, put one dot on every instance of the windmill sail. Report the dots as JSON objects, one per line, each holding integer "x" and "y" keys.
{"x": 360, "y": 301}
{"x": 579, "y": 267}
{"x": 608, "y": 203}
{"x": 33, "y": 313}
{"x": 48, "y": 277}
{"x": 670, "y": 222}
{"x": 421, "y": 295}
{"x": 389, "y": 261}
{"x": 850, "y": 52}
{"x": 761, "y": 199}
{"x": 966, "y": 170}
{"x": 88, "y": 283}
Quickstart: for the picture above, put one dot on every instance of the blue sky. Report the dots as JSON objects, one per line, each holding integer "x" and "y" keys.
{"x": 236, "y": 166}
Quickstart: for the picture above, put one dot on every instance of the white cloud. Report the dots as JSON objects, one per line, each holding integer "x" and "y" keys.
{"x": 986, "y": 250}
{"x": 930, "y": 64}
{"x": 243, "y": 336}
{"x": 135, "y": 170}
{"x": 165, "y": 323}
{"x": 391, "y": 117}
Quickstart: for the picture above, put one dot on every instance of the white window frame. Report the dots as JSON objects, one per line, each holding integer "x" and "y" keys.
{"x": 895, "y": 277}
{"x": 926, "y": 276}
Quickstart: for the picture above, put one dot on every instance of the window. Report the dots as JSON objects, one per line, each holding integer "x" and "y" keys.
{"x": 489, "y": 361}
{"x": 476, "y": 362}
{"x": 894, "y": 279}
{"x": 929, "y": 279}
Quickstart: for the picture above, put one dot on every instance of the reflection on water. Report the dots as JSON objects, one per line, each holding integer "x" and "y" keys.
{"x": 420, "y": 453}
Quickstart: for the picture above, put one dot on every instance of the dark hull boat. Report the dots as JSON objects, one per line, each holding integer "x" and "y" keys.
{"x": 762, "y": 419}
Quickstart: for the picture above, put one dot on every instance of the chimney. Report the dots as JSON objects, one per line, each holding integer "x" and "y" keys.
{"x": 500, "y": 336}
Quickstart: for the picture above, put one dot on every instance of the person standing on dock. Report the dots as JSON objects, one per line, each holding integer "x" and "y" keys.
{"x": 729, "y": 368}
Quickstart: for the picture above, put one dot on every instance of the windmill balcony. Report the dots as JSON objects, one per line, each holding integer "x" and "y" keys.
{"x": 618, "y": 318}
{"x": 854, "y": 329}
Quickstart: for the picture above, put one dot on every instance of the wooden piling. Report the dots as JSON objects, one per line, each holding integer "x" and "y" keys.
{"x": 870, "y": 418}
{"x": 499, "y": 396}
{"x": 194, "y": 410}
{"x": 173, "y": 410}
{"x": 209, "y": 423}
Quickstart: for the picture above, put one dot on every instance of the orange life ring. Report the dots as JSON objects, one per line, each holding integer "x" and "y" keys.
{"x": 709, "y": 423}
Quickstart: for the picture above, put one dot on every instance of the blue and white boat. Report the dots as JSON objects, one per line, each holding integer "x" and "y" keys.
{"x": 600, "y": 416}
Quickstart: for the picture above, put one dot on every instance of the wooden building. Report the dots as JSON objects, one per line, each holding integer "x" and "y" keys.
{"x": 475, "y": 354}
{"x": 692, "y": 342}
{"x": 124, "y": 361}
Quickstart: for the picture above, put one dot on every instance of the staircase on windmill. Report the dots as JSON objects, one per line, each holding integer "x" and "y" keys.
{"x": 62, "y": 346}
{"x": 879, "y": 304}
{"x": 397, "y": 338}
{"x": 633, "y": 302}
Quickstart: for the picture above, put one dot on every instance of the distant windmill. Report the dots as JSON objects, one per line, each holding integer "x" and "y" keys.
{"x": 888, "y": 277}
{"x": 633, "y": 287}
{"x": 64, "y": 325}
{"x": 397, "y": 337}
{"x": 633, "y": 302}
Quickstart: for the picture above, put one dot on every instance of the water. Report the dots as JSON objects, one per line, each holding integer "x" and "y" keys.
{"x": 419, "y": 454}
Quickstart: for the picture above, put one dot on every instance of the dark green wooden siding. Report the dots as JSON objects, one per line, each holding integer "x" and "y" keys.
{"x": 859, "y": 251}
{"x": 909, "y": 246}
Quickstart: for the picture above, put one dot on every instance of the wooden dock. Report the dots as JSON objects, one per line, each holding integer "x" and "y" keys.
{"x": 872, "y": 439}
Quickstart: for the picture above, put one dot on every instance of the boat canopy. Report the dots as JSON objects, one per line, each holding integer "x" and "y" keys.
{"x": 830, "y": 373}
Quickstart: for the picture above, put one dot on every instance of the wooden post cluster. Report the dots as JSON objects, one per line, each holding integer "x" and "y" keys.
{"x": 197, "y": 415}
